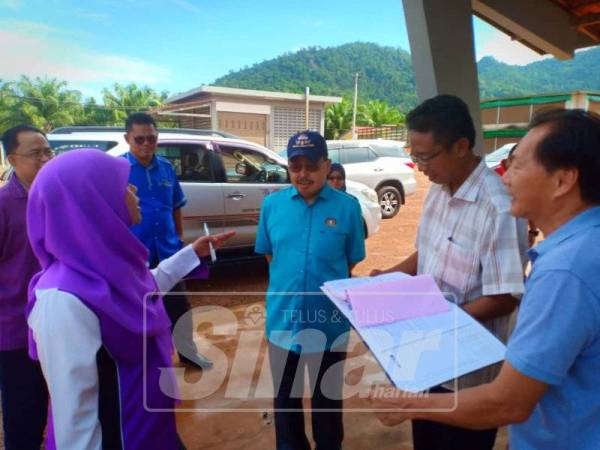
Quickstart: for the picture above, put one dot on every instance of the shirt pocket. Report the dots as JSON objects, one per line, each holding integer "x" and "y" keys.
{"x": 459, "y": 265}
{"x": 330, "y": 244}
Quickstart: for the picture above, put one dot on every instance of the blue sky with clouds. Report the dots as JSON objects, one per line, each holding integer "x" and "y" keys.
{"x": 176, "y": 45}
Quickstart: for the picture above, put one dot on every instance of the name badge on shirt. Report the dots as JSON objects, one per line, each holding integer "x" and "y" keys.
{"x": 330, "y": 222}
{"x": 165, "y": 183}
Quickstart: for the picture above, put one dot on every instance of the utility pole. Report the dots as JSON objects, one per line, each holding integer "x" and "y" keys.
{"x": 355, "y": 106}
{"x": 307, "y": 95}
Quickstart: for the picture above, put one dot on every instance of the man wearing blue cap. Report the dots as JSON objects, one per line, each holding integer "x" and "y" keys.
{"x": 310, "y": 233}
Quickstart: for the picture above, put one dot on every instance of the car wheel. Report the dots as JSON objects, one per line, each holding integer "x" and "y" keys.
{"x": 390, "y": 201}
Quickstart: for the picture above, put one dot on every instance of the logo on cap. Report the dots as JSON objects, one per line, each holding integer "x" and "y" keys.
{"x": 302, "y": 140}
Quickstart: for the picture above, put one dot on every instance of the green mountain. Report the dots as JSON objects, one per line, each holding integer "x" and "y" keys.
{"x": 582, "y": 73}
{"x": 386, "y": 74}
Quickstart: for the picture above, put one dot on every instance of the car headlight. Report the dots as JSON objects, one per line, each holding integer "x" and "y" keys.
{"x": 370, "y": 194}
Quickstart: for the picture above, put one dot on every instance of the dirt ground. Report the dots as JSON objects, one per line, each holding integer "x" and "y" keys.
{"x": 212, "y": 420}
{"x": 206, "y": 424}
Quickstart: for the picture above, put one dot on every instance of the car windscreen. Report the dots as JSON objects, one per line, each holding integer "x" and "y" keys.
{"x": 64, "y": 146}
{"x": 393, "y": 150}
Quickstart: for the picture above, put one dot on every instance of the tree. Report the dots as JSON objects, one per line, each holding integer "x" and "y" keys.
{"x": 42, "y": 102}
{"x": 95, "y": 114}
{"x": 123, "y": 100}
{"x": 377, "y": 113}
{"x": 7, "y": 105}
{"x": 338, "y": 119}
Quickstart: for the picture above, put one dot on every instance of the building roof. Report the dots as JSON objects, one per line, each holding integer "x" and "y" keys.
{"x": 585, "y": 16}
{"x": 536, "y": 99}
{"x": 557, "y": 27}
{"x": 264, "y": 95}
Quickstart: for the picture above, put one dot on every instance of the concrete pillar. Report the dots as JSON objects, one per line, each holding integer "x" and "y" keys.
{"x": 442, "y": 47}
{"x": 214, "y": 117}
{"x": 579, "y": 100}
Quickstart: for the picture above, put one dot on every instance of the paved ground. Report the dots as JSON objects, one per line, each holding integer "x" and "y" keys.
{"x": 211, "y": 416}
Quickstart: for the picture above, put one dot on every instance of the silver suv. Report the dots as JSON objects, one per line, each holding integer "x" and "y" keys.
{"x": 224, "y": 180}
{"x": 382, "y": 165}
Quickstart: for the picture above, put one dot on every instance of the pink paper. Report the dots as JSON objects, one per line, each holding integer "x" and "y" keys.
{"x": 379, "y": 303}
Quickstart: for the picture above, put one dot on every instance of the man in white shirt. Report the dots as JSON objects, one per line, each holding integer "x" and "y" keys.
{"x": 467, "y": 240}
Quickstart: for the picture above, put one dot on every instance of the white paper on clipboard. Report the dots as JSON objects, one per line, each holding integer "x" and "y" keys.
{"x": 423, "y": 352}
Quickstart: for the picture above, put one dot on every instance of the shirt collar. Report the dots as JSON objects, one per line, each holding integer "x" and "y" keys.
{"x": 134, "y": 162}
{"x": 325, "y": 193}
{"x": 587, "y": 219}
{"x": 469, "y": 190}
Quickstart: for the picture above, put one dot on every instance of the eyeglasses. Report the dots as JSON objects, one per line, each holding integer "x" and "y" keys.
{"x": 151, "y": 139}
{"x": 38, "y": 154}
{"x": 335, "y": 178}
{"x": 297, "y": 167}
{"x": 425, "y": 159}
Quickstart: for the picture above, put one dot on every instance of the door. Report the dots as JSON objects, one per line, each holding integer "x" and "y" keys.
{"x": 197, "y": 169}
{"x": 360, "y": 163}
{"x": 250, "y": 176}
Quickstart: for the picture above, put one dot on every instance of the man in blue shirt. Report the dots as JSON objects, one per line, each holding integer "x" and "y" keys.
{"x": 161, "y": 229}
{"x": 310, "y": 233}
{"x": 547, "y": 390}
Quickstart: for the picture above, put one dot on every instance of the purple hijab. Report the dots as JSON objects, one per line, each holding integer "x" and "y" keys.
{"x": 78, "y": 226}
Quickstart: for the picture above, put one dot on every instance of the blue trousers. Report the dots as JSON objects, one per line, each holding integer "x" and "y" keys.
{"x": 24, "y": 400}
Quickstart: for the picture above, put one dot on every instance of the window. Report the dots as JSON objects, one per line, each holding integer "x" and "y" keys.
{"x": 350, "y": 155}
{"x": 334, "y": 155}
{"x": 243, "y": 165}
{"x": 65, "y": 146}
{"x": 192, "y": 162}
{"x": 289, "y": 120}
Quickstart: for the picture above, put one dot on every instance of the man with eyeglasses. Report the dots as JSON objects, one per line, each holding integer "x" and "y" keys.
{"x": 24, "y": 394}
{"x": 310, "y": 233}
{"x": 161, "y": 229}
{"x": 467, "y": 240}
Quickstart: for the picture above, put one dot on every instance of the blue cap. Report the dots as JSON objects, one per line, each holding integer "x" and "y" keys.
{"x": 307, "y": 143}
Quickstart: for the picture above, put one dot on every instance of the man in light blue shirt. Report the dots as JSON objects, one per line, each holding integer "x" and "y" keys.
{"x": 310, "y": 233}
{"x": 547, "y": 390}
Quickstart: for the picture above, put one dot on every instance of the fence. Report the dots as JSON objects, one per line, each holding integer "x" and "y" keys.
{"x": 394, "y": 133}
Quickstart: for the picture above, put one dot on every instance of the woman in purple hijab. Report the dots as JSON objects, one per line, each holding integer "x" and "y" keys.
{"x": 102, "y": 337}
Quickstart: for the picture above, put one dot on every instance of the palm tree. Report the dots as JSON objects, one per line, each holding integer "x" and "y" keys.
{"x": 377, "y": 113}
{"x": 338, "y": 119}
{"x": 130, "y": 98}
{"x": 7, "y": 105}
{"x": 45, "y": 103}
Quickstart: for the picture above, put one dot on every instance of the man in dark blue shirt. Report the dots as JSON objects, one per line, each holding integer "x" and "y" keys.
{"x": 161, "y": 229}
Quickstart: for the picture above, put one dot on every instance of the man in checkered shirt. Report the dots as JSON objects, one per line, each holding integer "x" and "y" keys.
{"x": 467, "y": 240}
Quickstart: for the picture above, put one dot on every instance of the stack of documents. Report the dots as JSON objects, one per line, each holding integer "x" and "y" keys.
{"x": 338, "y": 289}
{"x": 418, "y": 337}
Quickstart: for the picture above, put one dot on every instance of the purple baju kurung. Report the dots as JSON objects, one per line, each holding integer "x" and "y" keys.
{"x": 78, "y": 225}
